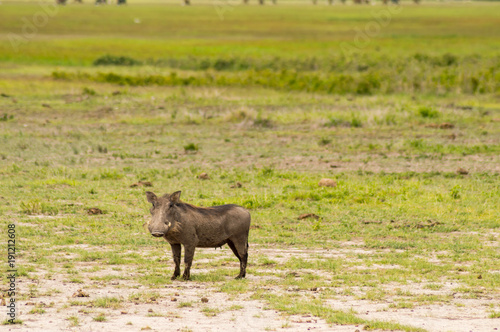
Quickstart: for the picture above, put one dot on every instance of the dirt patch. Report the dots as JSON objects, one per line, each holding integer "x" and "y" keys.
{"x": 469, "y": 316}
{"x": 201, "y": 306}
{"x": 187, "y": 312}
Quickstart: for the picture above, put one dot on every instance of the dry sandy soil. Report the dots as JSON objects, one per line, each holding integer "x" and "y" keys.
{"x": 224, "y": 312}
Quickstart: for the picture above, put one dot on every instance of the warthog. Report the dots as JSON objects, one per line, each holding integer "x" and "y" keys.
{"x": 204, "y": 227}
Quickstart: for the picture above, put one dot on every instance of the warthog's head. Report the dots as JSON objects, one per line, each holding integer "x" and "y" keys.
{"x": 163, "y": 211}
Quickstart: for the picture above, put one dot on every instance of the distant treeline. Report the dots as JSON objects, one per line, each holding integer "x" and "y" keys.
{"x": 334, "y": 63}
{"x": 366, "y": 75}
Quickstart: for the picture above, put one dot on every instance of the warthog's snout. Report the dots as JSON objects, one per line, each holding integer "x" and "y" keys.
{"x": 159, "y": 229}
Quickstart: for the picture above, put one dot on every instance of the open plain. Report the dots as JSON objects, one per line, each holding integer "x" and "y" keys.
{"x": 398, "y": 105}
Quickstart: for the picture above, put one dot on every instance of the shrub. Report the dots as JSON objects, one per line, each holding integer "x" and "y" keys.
{"x": 356, "y": 122}
{"x": 6, "y": 117}
{"x": 191, "y": 147}
{"x": 111, "y": 60}
{"x": 37, "y": 207}
{"x": 89, "y": 91}
{"x": 366, "y": 75}
{"x": 455, "y": 192}
{"x": 427, "y": 112}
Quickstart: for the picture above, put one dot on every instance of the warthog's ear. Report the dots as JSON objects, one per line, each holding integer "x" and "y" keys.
{"x": 151, "y": 197}
{"x": 175, "y": 197}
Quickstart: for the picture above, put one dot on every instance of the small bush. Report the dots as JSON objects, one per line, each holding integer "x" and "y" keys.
{"x": 267, "y": 172}
{"x": 111, "y": 60}
{"x": 184, "y": 304}
{"x": 324, "y": 141}
{"x": 107, "y": 302}
{"x": 337, "y": 122}
{"x": 100, "y": 318}
{"x": 89, "y": 91}
{"x": 191, "y": 147}
{"x": 495, "y": 314}
{"x": 74, "y": 321}
{"x": 6, "y": 117}
{"x": 37, "y": 207}
{"x": 240, "y": 115}
{"x": 61, "y": 75}
{"x": 102, "y": 149}
{"x": 448, "y": 60}
{"x": 455, "y": 192}
{"x": 210, "y": 312}
{"x": 428, "y": 112}
{"x": 317, "y": 225}
{"x": 263, "y": 122}
{"x": 356, "y": 122}
{"x": 37, "y": 311}
{"x": 110, "y": 175}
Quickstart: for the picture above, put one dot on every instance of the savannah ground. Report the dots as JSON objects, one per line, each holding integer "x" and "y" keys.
{"x": 264, "y": 101}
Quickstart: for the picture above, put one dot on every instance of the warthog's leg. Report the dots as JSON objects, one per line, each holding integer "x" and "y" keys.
{"x": 176, "y": 251}
{"x": 240, "y": 250}
{"x": 188, "y": 260}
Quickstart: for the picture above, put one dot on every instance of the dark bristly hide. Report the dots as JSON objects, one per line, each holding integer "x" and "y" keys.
{"x": 203, "y": 227}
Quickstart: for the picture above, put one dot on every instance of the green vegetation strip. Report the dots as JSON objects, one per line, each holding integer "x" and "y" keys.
{"x": 364, "y": 80}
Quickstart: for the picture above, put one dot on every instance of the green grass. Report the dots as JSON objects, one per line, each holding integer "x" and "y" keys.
{"x": 315, "y": 308}
{"x": 236, "y": 307}
{"x": 191, "y": 147}
{"x": 184, "y": 304}
{"x": 74, "y": 320}
{"x": 495, "y": 315}
{"x": 9, "y": 322}
{"x": 107, "y": 302}
{"x": 376, "y": 80}
{"x": 37, "y": 311}
{"x": 210, "y": 312}
{"x": 273, "y": 31}
{"x": 100, "y": 318}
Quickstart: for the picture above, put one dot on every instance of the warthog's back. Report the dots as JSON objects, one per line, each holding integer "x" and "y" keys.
{"x": 215, "y": 225}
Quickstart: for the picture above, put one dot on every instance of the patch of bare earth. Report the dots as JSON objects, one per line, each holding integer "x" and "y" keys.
{"x": 163, "y": 314}
{"x": 459, "y": 314}
{"x": 200, "y": 306}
